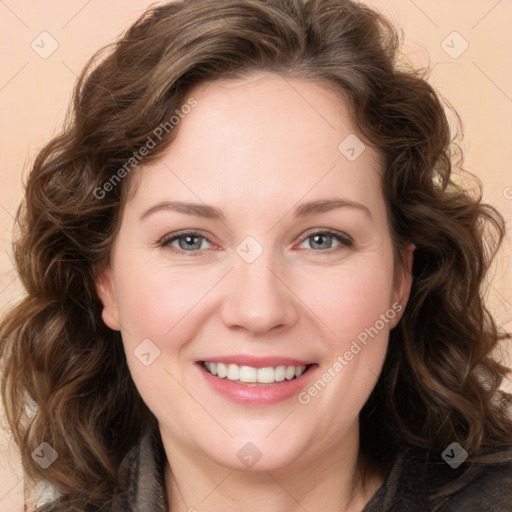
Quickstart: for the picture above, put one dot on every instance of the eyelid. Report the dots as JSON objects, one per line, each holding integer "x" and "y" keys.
{"x": 164, "y": 242}
{"x": 344, "y": 239}
{"x": 327, "y": 231}
{"x": 182, "y": 232}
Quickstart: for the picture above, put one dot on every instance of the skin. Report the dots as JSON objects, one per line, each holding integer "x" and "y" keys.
{"x": 256, "y": 148}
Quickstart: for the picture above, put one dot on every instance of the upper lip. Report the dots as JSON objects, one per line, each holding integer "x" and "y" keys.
{"x": 257, "y": 362}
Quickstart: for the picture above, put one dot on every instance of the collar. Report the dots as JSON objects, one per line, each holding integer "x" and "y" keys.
{"x": 141, "y": 477}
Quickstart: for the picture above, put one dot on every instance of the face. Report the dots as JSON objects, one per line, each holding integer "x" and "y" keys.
{"x": 258, "y": 246}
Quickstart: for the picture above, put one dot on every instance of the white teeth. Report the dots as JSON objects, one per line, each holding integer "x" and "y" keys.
{"x": 290, "y": 372}
{"x": 222, "y": 370}
{"x": 248, "y": 374}
{"x": 265, "y": 375}
{"x": 233, "y": 372}
{"x": 279, "y": 373}
{"x": 299, "y": 370}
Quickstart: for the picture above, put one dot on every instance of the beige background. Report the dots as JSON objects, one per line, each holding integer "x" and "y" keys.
{"x": 34, "y": 93}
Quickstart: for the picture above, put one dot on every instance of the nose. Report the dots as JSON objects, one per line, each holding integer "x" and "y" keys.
{"x": 258, "y": 299}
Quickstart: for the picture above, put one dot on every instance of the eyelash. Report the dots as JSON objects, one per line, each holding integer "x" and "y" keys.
{"x": 344, "y": 239}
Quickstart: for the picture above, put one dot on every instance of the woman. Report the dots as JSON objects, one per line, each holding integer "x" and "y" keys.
{"x": 251, "y": 281}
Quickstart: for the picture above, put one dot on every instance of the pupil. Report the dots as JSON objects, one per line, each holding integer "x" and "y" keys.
{"x": 189, "y": 242}
{"x": 316, "y": 239}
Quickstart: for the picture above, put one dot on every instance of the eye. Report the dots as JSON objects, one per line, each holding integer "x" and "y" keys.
{"x": 187, "y": 242}
{"x": 322, "y": 241}
{"x": 192, "y": 242}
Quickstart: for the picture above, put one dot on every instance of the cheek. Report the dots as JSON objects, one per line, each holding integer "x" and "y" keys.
{"x": 156, "y": 299}
{"x": 156, "y": 303}
{"x": 353, "y": 298}
{"x": 356, "y": 307}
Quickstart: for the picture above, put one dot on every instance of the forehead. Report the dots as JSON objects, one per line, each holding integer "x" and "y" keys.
{"x": 261, "y": 137}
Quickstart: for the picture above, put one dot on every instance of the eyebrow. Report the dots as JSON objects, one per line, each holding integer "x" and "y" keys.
{"x": 195, "y": 209}
{"x": 325, "y": 205}
{"x": 211, "y": 212}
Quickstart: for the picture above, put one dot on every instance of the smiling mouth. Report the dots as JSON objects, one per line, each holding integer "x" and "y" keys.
{"x": 250, "y": 375}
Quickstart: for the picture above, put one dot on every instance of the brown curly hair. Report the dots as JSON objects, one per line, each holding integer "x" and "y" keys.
{"x": 65, "y": 378}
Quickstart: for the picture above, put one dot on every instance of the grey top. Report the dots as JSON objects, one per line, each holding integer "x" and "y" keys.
{"x": 407, "y": 487}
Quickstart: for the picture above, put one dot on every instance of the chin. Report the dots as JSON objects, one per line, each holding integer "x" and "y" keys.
{"x": 255, "y": 453}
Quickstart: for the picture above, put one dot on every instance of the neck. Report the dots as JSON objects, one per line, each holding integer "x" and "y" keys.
{"x": 327, "y": 482}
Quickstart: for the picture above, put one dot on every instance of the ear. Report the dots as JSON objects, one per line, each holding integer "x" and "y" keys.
{"x": 104, "y": 283}
{"x": 402, "y": 285}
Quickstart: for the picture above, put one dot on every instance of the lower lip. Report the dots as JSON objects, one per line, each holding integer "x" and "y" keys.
{"x": 258, "y": 394}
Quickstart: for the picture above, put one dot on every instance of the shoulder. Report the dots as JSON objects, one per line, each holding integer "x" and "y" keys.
{"x": 490, "y": 489}
{"x": 470, "y": 486}
{"x": 139, "y": 482}
{"x": 425, "y": 483}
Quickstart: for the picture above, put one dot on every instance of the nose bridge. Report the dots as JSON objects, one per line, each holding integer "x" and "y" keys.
{"x": 257, "y": 298}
